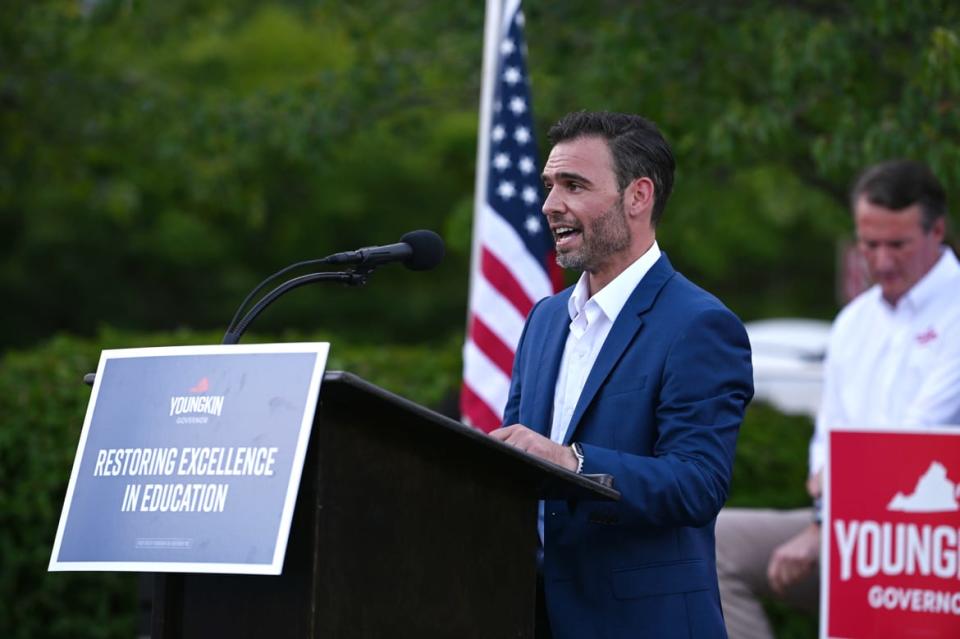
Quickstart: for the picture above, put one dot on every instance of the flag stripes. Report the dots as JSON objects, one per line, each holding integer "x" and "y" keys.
{"x": 513, "y": 263}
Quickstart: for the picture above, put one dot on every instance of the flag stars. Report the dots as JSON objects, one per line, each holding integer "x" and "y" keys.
{"x": 511, "y": 193}
{"x": 506, "y": 190}
{"x": 532, "y": 224}
{"x": 518, "y": 105}
{"x": 521, "y": 134}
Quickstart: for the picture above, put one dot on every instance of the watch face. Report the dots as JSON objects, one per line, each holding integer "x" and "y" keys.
{"x": 578, "y": 453}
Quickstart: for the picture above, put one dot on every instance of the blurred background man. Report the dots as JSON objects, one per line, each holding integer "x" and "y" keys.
{"x": 893, "y": 360}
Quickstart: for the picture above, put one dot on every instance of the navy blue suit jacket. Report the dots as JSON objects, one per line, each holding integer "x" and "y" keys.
{"x": 660, "y": 411}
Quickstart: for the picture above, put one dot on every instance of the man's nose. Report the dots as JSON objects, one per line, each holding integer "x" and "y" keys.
{"x": 551, "y": 203}
{"x": 884, "y": 259}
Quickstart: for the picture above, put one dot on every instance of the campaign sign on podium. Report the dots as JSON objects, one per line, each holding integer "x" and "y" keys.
{"x": 891, "y": 543}
{"x": 190, "y": 459}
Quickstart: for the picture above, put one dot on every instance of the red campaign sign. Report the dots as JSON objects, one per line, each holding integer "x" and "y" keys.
{"x": 892, "y": 531}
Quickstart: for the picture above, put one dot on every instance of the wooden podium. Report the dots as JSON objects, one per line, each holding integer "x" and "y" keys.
{"x": 407, "y": 524}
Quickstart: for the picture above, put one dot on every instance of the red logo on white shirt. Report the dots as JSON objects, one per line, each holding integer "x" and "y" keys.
{"x": 926, "y": 337}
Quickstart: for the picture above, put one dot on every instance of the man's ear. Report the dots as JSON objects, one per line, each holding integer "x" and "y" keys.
{"x": 939, "y": 228}
{"x": 639, "y": 198}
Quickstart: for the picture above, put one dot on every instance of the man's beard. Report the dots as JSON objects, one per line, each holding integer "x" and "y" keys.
{"x": 606, "y": 235}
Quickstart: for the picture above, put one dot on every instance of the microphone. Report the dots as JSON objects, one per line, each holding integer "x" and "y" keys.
{"x": 417, "y": 250}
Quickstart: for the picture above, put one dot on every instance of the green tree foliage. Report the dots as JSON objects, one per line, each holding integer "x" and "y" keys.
{"x": 158, "y": 158}
{"x": 43, "y": 403}
{"x": 772, "y": 108}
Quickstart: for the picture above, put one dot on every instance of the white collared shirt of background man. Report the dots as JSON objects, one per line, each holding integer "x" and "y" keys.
{"x": 894, "y": 366}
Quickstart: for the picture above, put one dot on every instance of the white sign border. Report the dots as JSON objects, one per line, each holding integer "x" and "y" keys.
{"x": 826, "y": 533}
{"x": 320, "y": 349}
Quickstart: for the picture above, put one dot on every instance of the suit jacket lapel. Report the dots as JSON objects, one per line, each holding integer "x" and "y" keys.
{"x": 558, "y": 327}
{"x": 627, "y": 325}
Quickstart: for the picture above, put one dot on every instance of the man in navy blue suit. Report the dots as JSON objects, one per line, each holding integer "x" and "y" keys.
{"x": 633, "y": 372}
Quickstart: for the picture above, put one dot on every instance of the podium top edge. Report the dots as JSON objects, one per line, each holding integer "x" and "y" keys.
{"x": 582, "y": 485}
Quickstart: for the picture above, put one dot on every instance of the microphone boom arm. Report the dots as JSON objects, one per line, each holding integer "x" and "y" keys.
{"x": 356, "y": 277}
{"x": 418, "y": 250}
{"x": 261, "y": 285}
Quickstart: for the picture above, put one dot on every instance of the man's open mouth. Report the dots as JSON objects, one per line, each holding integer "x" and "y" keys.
{"x": 564, "y": 234}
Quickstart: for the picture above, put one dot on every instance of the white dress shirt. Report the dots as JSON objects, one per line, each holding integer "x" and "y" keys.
{"x": 894, "y": 366}
{"x": 590, "y": 323}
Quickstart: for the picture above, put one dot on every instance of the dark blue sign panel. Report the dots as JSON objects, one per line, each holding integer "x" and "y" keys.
{"x": 190, "y": 459}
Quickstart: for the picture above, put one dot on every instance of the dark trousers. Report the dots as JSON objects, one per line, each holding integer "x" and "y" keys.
{"x": 541, "y": 621}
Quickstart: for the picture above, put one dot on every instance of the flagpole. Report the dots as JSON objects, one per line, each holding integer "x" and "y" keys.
{"x": 512, "y": 251}
{"x": 491, "y": 40}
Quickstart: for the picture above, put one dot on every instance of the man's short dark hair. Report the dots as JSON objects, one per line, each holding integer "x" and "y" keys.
{"x": 897, "y": 184}
{"x": 637, "y": 146}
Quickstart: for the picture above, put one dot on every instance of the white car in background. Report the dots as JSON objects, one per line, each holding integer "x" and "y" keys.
{"x": 788, "y": 363}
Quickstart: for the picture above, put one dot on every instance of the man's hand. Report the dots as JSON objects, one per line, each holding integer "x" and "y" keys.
{"x": 537, "y": 445}
{"x": 795, "y": 559}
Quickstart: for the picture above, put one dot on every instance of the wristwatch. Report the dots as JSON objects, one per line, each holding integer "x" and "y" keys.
{"x": 578, "y": 453}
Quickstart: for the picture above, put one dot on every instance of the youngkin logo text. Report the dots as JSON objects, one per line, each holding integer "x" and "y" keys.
{"x": 904, "y": 551}
{"x": 872, "y": 547}
{"x": 194, "y": 409}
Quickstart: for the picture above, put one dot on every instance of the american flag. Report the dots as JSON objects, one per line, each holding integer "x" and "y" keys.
{"x": 513, "y": 261}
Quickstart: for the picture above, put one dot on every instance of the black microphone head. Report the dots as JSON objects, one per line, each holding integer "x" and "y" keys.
{"x": 427, "y": 251}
